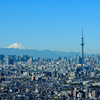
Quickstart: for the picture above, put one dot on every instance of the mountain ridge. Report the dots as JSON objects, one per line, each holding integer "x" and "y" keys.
{"x": 37, "y": 53}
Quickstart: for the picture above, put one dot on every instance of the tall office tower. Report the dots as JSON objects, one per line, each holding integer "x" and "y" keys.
{"x": 82, "y": 50}
{"x": 7, "y": 60}
{"x": 1, "y": 59}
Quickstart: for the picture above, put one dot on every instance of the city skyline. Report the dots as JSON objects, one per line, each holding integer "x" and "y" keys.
{"x": 48, "y": 24}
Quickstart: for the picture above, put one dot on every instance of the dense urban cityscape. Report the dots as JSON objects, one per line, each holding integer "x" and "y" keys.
{"x": 28, "y": 78}
{"x": 44, "y": 52}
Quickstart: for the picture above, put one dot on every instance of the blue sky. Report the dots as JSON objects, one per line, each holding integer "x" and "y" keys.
{"x": 51, "y": 24}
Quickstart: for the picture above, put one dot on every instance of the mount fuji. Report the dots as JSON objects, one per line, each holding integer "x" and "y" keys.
{"x": 16, "y": 46}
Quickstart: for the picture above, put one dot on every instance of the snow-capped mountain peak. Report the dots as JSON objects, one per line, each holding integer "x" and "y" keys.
{"x": 16, "y": 46}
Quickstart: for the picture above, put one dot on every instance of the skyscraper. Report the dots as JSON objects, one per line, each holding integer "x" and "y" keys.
{"x": 82, "y": 50}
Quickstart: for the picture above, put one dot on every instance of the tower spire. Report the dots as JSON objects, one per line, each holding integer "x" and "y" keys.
{"x": 82, "y": 31}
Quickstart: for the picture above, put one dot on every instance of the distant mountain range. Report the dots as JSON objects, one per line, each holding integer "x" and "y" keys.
{"x": 37, "y": 53}
{"x": 18, "y": 49}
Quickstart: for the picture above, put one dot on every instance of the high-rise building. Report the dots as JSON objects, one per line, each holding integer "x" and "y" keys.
{"x": 82, "y": 50}
{"x": 1, "y": 59}
{"x": 8, "y": 60}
